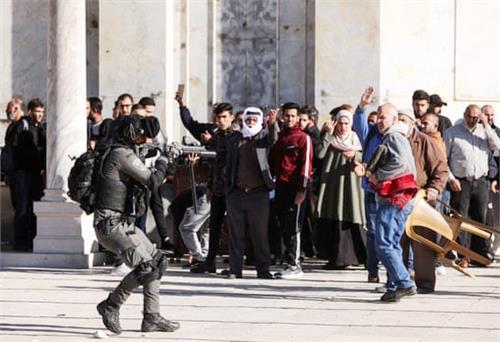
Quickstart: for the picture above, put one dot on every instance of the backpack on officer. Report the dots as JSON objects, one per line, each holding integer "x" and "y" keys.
{"x": 82, "y": 178}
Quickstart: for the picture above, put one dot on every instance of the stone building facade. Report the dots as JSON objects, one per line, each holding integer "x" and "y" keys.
{"x": 247, "y": 52}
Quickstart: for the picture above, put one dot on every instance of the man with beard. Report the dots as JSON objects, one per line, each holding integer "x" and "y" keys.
{"x": 469, "y": 145}
{"x": 291, "y": 160}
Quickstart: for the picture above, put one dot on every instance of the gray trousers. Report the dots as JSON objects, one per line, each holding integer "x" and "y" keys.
{"x": 248, "y": 211}
{"x": 129, "y": 242}
{"x": 194, "y": 229}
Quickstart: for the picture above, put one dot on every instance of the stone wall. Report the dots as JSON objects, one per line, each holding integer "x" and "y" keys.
{"x": 265, "y": 51}
{"x": 445, "y": 47}
{"x": 23, "y": 56}
{"x": 347, "y": 51}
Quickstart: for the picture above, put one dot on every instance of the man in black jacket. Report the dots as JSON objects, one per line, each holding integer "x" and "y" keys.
{"x": 28, "y": 141}
{"x": 214, "y": 136}
{"x": 247, "y": 189}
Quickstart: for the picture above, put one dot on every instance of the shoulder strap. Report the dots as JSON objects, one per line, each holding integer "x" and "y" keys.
{"x": 104, "y": 155}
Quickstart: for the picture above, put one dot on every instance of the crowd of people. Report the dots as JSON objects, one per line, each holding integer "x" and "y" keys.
{"x": 289, "y": 189}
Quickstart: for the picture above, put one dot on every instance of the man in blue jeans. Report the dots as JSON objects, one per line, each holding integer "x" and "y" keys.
{"x": 391, "y": 170}
{"x": 370, "y": 139}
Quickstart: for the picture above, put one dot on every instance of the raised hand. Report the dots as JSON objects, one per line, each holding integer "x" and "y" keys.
{"x": 272, "y": 115}
{"x": 329, "y": 126}
{"x": 484, "y": 119}
{"x": 367, "y": 97}
{"x": 179, "y": 99}
{"x": 205, "y": 137}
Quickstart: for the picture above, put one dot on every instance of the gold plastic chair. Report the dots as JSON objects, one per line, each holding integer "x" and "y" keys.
{"x": 449, "y": 227}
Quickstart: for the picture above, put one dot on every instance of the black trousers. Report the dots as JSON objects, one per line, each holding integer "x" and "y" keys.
{"x": 291, "y": 219}
{"x": 248, "y": 210}
{"x": 217, "y": 214}
{"x": 274, "y": 233}
{"x": 472, "y": 202}
{"x": 156, "y": 205}
{"x": 28, "y": 187}
{"x": 424, "y": 258}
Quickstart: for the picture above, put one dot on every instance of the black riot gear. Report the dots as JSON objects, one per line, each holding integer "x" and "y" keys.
{"x": 122, "y": 181}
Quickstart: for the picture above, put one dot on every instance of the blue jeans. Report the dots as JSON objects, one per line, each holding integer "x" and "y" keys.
{"x": 371, "y": 207}
{"x": 389, "y": 228}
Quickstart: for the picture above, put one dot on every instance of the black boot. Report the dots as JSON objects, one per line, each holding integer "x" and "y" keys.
{"x": 110, "y": 313}
{"x": 205, "y": 266}
{"x": 155, "y": 322}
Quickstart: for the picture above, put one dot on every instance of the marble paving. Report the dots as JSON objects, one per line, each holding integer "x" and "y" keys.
{"x": 59, "y": 305}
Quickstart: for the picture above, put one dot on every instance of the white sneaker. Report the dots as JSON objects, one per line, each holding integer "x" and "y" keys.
{"x": 440, "y": 270}
{"x": 120, "y": 271}
{"x": 290, "y": 272}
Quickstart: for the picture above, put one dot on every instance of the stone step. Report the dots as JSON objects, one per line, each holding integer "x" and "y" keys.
{"x": 75, "y": 261}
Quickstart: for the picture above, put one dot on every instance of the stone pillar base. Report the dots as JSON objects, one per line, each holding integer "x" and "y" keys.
{"x": 63, "y": 229}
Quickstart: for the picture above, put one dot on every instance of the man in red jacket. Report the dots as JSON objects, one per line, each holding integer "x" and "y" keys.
{"x": 290, "y": 160}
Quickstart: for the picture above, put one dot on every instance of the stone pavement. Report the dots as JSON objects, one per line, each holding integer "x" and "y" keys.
{"x": 59, "y": 305}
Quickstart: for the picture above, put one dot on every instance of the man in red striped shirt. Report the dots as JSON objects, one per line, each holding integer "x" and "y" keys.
{"x": 290, "y": 160}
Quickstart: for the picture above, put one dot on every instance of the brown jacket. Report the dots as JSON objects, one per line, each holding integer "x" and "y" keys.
{"x": 438, "y": 139}
{"x": 432, "y": 169}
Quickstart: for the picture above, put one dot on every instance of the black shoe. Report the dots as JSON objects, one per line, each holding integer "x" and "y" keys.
{"x": 265, "y": 275}
{"x": 423, "y": 290}
{"x": 110, "y": 316}
{"x": 191, "y": 264}
{"x": 210, "y": 266}
{"x": 395, "y": 296}
{"x": 331, "y": 266}
{"x": 205, "y": 266}
{"x": 198, "y": 268}
{"x": 155, "y": 322}
{"x": 167, "y": 245}
{"x": 373, "y": 278}
{"x": 309, "y": 253}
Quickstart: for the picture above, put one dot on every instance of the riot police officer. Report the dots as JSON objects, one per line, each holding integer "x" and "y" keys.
{"x": 122, "y": 179}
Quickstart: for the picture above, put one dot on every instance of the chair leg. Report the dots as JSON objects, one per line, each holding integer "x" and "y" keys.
{"x": 451, "y": 263}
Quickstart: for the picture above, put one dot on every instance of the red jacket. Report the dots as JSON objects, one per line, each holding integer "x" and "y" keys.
{"x": 291, "y": 158}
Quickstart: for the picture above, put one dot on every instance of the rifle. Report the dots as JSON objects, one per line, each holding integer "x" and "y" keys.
{"x": 183, "y": 151}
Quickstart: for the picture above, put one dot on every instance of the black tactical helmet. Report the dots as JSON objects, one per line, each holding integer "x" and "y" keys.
{"x": 131, "y": 129}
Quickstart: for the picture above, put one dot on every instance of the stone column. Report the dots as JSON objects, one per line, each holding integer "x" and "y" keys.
{"x": 63, "y": 230}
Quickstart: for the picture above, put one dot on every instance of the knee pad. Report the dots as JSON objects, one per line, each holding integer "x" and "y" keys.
{"x": 145, "y": 272}
{"x": 151, "y": 270}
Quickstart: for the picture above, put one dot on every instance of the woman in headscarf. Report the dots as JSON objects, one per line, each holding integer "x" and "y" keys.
{"x": 340, "y": 208}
